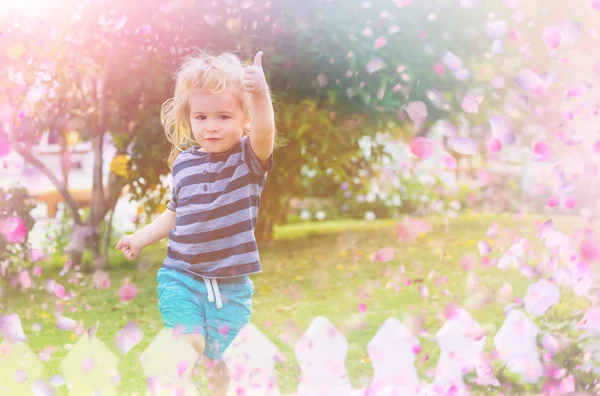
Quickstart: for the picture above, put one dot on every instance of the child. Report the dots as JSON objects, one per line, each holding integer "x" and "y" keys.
{"x": 203, "y": 285}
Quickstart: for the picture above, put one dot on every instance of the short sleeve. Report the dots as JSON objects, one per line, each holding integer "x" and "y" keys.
{"x": 252, "y": 161}
{"x": 172, "y": 205}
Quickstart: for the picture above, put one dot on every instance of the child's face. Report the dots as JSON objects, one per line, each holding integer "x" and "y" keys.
{"x": 218, "y": 117}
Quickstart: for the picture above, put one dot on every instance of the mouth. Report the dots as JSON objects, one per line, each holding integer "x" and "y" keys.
{"x": 212, "y": 139}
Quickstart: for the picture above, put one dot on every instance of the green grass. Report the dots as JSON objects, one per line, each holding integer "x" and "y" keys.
{"x": 314, "y": 269}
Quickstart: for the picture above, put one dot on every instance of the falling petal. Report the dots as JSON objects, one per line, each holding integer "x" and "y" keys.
{"x": 589, "y": 250}
{"x": 120, "y": 22}
{"x": 144, "y": 29}
{"x": 451, "y": 61}
{"x": 65, "y": 323}
{"x": 374, "y": 65}
{"x": 127, "y": 292}
{"x": 101, "y": 279}
{"x": 20, "y": 376}
{"x": 385, "y": 255}
{"x": 553, "y": 201}
{"x": 496, "y": 29}
{"x": 541, "y": 296}
{"x": 224, "y": 329}
{"x": 25, "y": 280}
{"x": 59, "y": 291}
{"x": 468, "y": 3}
{"x": 550, "y": 343}
{"x": 5, "y": 148}
{"x": 42, "y": 388}
{"x": 484, "y": 248}
{"x": 417, "y": 111}
{"x": 11, "y": 328}
{"x": 528, "y": 80}
{"x": 494, "y": 145}
{"x": 464, "y": 145}
{"x": 182, "y": 366}
{"x": 470, "y": 104}
{"x": 542, "y": 151}
{"x": 570, "y": 32}
{"x": 362, "y": 307}
{"x": 450, "y": 162}
{"x": 422, "y": 147}
{"x": 13, "y": 230}
{"x": 380, "y": 42}
{"x": 552, "y": 37}
{"x": 423, "y": 291}
{"x": 128, "y": 337}
{"x": 596, "y": 5}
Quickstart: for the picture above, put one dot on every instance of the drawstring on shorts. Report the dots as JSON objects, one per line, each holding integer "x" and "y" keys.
{"x": 212, "y": 285}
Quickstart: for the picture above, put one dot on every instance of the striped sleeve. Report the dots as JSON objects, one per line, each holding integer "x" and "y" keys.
{"x": 252, "y": 161}
{"x": 172, "y": 205}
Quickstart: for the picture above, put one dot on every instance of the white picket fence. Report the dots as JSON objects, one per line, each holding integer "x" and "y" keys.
{"x": 90, "y": 368}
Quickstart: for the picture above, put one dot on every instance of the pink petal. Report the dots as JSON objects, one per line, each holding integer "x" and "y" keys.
{"x": 127, "y": 292}
{"x": 450, "y": 310}
{"x": 452, "y": 62}
{"x": 553, "y": 201}
{"x": 542, "y": 151}
{"x": 144, "y": 29}
{"x": 13, "y": 230}
{"x": 417, "y": 111}
{"x": 422, "y": 147}
{"x": 128, "y": 337}
{"x": 550, "y": 343}
{"x": 596, "y": 5}
{"x": 59, "y": 291}
{"x": 224, "y": 329}
{"x": 552, "y": 37}
{"x": 494, "y": 145}
{"x": 450, "y": 162}
{"x": 65, "y": 323}
{"x": 5, "y": 148}
{"x": 570, "y": 202}
{"x": 528, "y": 80}
{"x": 37, "y": 271}
{"x": 484, "y": 248}
{"x": 385, "y": 254}
{"x": 423, "y": 291}
{"x": 464, "y": 145}
{"x": 439, "y": 69}
{"x": 470, "y": 104}
{"x": 101, "y": 280}
{"x": 11, "y": 328}
{"x": 24, "y": 279}
{"x": 589, "y": 250}
{"x": 182, "y": 366}
{"x": 567, "y": 384}
{"x": 380, "y": 42}
{"x": 362, "y": 307}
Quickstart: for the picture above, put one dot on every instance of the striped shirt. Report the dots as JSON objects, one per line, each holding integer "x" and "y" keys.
{"x": 216, "y": 197}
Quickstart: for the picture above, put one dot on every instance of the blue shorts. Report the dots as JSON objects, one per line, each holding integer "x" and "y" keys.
{"x": 187, "y": 302}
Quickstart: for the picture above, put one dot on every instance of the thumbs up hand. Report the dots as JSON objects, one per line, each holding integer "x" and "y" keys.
{"x": 254, "y": 77}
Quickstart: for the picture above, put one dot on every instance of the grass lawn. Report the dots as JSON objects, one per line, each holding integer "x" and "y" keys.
{"x": 313, "y": 269}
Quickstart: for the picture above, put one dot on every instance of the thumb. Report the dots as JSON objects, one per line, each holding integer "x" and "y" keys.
{"x": 258, "y": 59}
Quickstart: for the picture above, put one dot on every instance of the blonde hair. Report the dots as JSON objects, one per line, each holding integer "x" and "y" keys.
{"x": 214, "y": 74}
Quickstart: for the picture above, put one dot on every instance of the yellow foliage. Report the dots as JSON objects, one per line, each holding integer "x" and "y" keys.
{"x": 120, "y": 165}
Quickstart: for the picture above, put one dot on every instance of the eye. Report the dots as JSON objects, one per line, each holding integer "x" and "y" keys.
{"x": 200, "y": 117}
{"x": 225, "y": 117}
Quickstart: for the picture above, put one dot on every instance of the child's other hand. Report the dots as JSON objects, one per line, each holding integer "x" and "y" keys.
{"x": 254, "y": 78}
{"x": 130, "y": 247}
